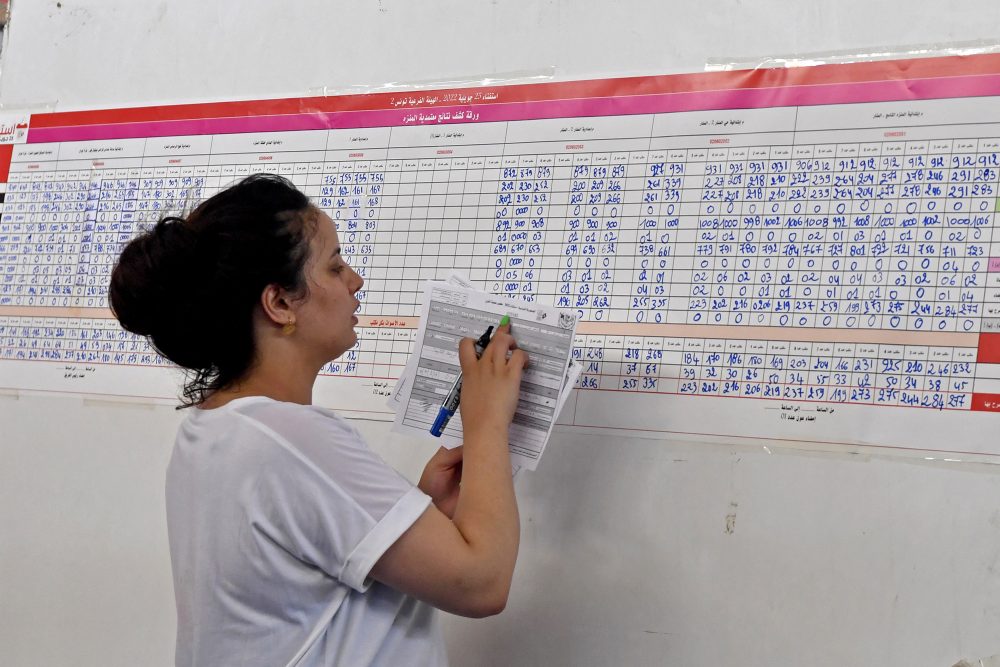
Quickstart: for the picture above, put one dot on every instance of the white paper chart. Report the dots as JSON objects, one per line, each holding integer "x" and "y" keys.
{"x": 801, "y": 255}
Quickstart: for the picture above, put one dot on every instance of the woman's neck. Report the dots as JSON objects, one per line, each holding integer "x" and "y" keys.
{"x": 284, "y": 385}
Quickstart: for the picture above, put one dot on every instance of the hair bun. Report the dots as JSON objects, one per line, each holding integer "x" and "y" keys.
{"x": 193, "y": 285}
{"x": 152, "y": 286}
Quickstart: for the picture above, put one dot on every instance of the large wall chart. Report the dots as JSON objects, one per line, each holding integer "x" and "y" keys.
{"x": 800, "y": 254}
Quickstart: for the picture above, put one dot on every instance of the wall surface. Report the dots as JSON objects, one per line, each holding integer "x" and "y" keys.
{"x": 634, "y": 552}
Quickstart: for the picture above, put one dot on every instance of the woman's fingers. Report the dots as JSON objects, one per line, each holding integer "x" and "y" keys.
{"x": 502, "y": 352}
{"x": 499, "y": 346}
{"x": 448, "y": 458}
{"x": 466, "y": 354}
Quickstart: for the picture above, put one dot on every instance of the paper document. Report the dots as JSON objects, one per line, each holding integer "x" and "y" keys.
{"x": 452, "y": 312}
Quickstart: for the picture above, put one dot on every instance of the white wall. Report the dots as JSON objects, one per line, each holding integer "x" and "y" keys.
{"x": 634, "y": 552}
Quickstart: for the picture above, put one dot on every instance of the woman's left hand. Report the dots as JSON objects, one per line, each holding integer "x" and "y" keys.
{"x": 441, "y": 479}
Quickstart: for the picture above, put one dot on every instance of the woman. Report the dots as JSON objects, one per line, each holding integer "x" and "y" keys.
{"x": 291, "y": 542}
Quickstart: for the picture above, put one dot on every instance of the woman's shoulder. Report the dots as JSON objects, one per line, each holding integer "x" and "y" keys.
{"x": 287, "y": 449}
{"x": 272, "y": 434}
{"x": 316, "y": 437}
{"x": 292, "y": 420}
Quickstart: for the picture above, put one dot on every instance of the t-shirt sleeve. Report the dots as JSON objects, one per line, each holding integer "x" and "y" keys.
{"x": 324, "y": 497}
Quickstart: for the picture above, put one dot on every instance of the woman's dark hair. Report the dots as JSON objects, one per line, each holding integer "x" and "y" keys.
{"x": 191, "y": 284}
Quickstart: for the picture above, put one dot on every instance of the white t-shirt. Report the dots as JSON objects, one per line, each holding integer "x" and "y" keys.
{"x": 276, "y": 513}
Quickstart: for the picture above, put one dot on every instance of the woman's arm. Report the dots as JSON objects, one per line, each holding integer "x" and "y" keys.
{"x": 464, "y": 565}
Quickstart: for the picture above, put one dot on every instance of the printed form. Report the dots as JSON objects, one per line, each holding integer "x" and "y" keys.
{"x": 452, "y": 312}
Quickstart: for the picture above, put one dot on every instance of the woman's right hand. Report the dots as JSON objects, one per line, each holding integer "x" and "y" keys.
{"x": 490, "y": 384}
{"x": 464, "y": 563}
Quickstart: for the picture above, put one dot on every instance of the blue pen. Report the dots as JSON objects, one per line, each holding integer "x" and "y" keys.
{"x": 447, "y": 410}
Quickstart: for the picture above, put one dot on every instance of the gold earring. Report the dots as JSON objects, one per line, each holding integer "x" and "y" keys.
{"x": 289, "y": 328}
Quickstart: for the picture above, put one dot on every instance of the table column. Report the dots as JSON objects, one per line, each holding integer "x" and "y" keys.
{"x": 573, "y": 237}
{"x": 775, "y": 362}
{"x": 606, "y": 262}
{"x": 377, "y": 214}
{"x": 94, "y": 189}
{"x": 820, "y": 371}
{"x": 842, "y": 234}
{"x": 690, "y": 369}
{"x": 935, "y": 389}
{"x": 955, "y": 235}
{"x": 416, "y": 236}
{"x": 782, "y": 264}
{"x": 930, "y": 236}
{"x": 402, "y": 344}
{"x": 517, "y": 237}
{"x": 652, "y": 367}
{"x": 382, "y": 355}
{"x": 961, "y": 382}
{"x": 612, "y": 363}
{"x": 671, "y": 364}
{"x": 703, "y": 284}
{"x": 647, "y": 188}
{"x": 973, "y": 295}
{"x": 536, "y": 234}
{"x": 592, "y": 359}
{"x": 741, "y": 259}
{"x": 711, "y": 368}
{"x": 434, "y": 223}
{"x": 457, "y": 233}
{"x": 627, "y": 261}
{"x": 797, "y": 370}
{"x": 912, "y": 376}
{"x": 734, "y": 360}
{"x": 754, "y": 305}
{"x": 401, "y": 288}
{"x": 475, "y": 225}
{"x": 631, "y": 363}
{"x": 888, "y": 381}
{"x": 888, "y": 230}
{"x": 551, "y": 263}
{"x": 863, "y": 372}
{"x": 726, "y": 269}
{"x": 815, "y": 221}
{"x": 753, "y": 369}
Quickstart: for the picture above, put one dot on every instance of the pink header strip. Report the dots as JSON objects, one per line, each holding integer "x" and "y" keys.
{"x": 750, "y": 98}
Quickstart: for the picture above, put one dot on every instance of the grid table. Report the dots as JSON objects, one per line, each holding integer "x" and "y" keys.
{"x": 838, "y": 252}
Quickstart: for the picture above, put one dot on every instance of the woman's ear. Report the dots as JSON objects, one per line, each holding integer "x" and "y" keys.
{"x": 277, "y": 305}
